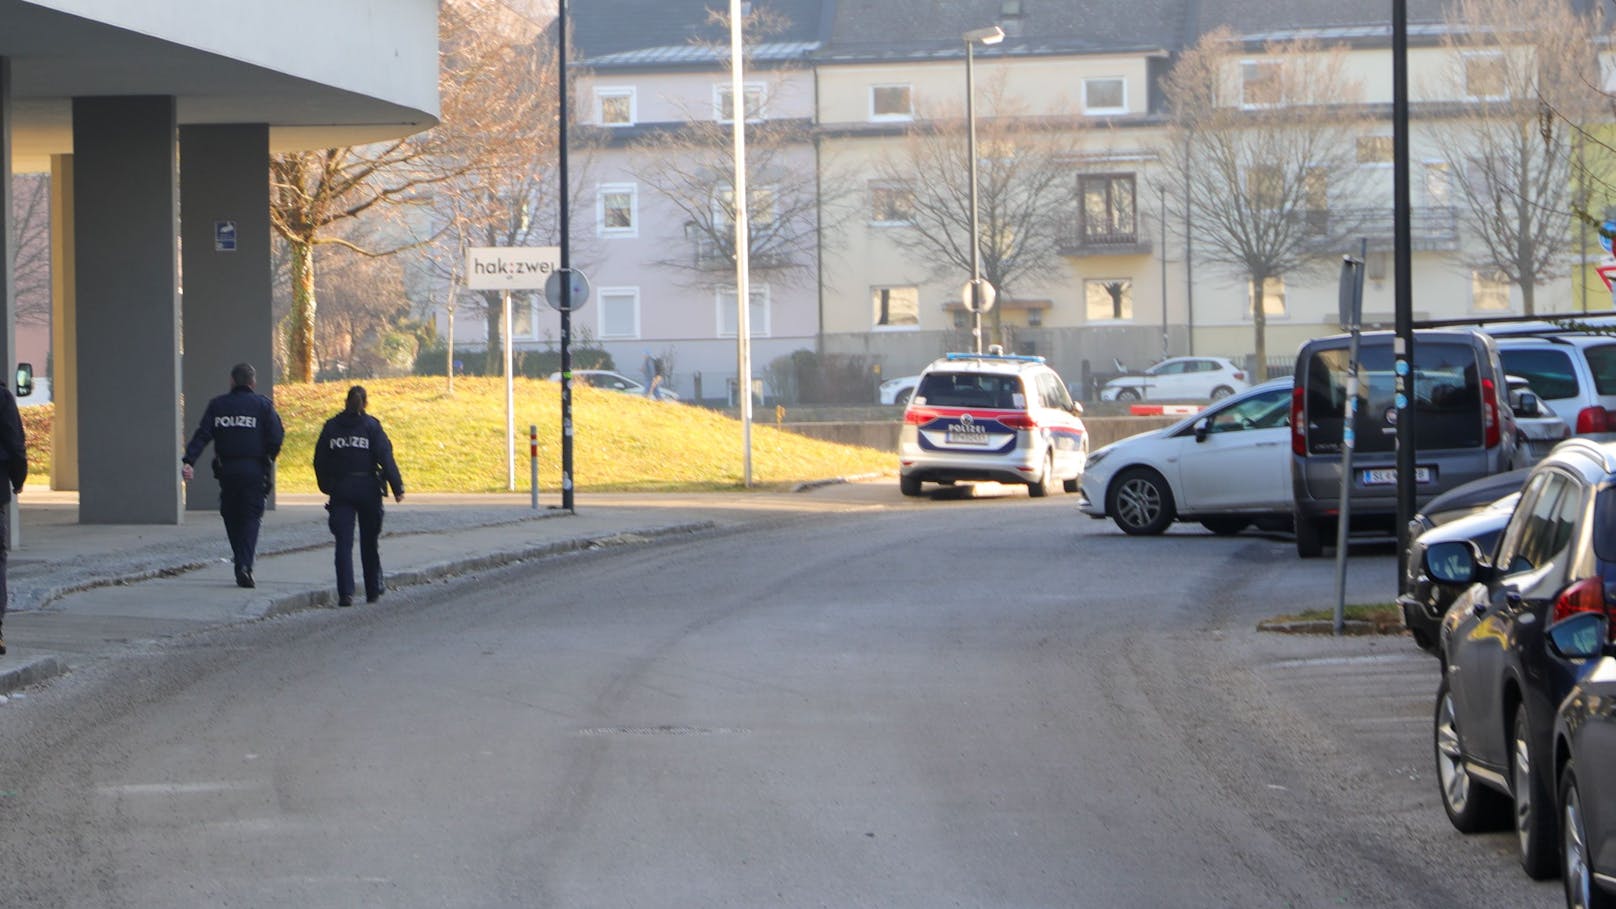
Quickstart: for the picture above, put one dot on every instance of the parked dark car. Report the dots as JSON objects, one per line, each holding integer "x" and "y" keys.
{"x": 1501, "y": 682}
{"x": 1584, "y": 742}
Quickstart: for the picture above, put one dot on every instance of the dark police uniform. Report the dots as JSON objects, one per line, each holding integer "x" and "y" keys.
{"x": 353, "y": 463}
{"x": 14, "y": 464}
{"x": 246, "y": 433}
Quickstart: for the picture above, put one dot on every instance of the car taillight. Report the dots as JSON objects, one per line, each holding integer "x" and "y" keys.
{"x": 919, "y": 416}
{"x": 1587, "y": 595}
{"x": 1298, "y": 430}
{"x": 1593, "y": 419}
{"x": 1239, "y": 376}
{"x": 1490, "y": 423}
{"x": 1017, "y": 420}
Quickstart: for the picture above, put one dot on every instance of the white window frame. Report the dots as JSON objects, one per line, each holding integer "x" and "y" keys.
{"x": 1483, "y": 284}
{"x": 723, "y": 306}
{"x": 1093, "y": 109}
{"x": 605, "y": 189}
{"x": 525, "y": 302}
{"x": 722, "y": 90}
{"x": 626, "y": 91}
{"x": 877, "y": 326}
{"x": 1268, "y": 300}
{"x": 600, "y": 319}
{"x": 1464, "y": 74}
{"x": 1264, "y": 64}
{"x": 1438, "y": 181}
{"x": 1387, "y": 162}
{"x": 875, "y": 186}
{"x": 1130, "y": 318}
{"x": 904, "y": 116}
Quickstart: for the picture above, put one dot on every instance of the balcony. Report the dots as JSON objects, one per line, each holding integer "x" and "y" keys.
{"x": 710, "y": 255}
{"x": 1075, "y": 241}
{"x": 1431, "y": 229}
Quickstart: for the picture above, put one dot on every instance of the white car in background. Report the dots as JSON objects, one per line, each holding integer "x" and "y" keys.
{"x": 1227, "y": 467}
{"x": 898, "y": 391}
{"x": 614, "y": 381}
{"x": 1179, "y": 379}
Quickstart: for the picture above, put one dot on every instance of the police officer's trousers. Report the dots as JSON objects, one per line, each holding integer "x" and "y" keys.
{"x": 241, "y": 504}
{"x": 368, "y": 511}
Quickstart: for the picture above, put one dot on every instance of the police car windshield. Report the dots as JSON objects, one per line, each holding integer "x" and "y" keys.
{"x": 969, "y": 389}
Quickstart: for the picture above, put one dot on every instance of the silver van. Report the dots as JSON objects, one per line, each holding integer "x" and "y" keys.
{"x": 1463, "y": 427}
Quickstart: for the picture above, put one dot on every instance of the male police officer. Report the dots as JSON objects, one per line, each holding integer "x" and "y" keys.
{"x": 13, "y": 472}
{"x": 246, "y": 434}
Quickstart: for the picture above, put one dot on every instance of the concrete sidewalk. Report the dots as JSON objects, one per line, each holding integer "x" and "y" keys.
{"x": 84, "y": 592}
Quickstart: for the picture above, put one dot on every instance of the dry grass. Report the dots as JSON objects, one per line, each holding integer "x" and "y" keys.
{"x": 457, "y": 443}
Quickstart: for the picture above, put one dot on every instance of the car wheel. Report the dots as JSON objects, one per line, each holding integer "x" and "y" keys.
{"x": 1471, "y": 806}
{"x": 909, "y": 486}
{"x": 1582, "y": 891}
{"x": 1221, "y": 392}
{"x": 1127, "y": 394}
{"x": 902, "y": 398}
{"x": 1534, "y": 821}
{"x": 1045, "y": 484}
{"x": 1225, "y": 526}
{"x": 1141, "y": 503}
{"x": 1072, "y": 485}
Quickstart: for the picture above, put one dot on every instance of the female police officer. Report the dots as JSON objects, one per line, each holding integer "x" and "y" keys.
{"x": 353, "y": 463}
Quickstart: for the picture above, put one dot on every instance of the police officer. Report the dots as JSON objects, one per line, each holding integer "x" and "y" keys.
{"x": 246, "y": 434}
{"x": 14, "y": 467}
{"x": 353, "y": 463}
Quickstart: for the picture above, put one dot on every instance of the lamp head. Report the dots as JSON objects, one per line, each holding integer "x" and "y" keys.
{"x": 990, "y": 35}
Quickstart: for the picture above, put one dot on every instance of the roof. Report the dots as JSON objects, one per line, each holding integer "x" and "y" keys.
{"x": 643, "y": 32}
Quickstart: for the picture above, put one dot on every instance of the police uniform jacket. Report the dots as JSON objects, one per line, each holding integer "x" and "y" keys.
{"x": 245, "y": 431}
{"x": 13, "y": 447}
{"x": 353, "y": 459}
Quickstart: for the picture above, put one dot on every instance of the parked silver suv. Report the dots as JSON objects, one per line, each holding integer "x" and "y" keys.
{"x": 1573, "y": 372}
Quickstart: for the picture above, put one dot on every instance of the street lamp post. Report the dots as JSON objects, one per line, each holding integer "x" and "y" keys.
{"x": 986, "y": 36}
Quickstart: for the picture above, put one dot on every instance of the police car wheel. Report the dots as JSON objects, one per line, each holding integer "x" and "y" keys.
{"x": 1045, "y": 484}
{"x": 909, "y": 486}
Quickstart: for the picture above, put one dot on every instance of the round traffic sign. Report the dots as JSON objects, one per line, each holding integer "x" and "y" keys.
{"x": 982, "y": 300}
{"x": 579, "y": 289}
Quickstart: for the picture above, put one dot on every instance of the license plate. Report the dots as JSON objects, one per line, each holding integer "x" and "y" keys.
{"x": 1388, "y": 476}
{"x": 955, "y": 437}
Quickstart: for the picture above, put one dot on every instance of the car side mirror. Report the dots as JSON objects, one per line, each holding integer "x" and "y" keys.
{"x": 1077, "y": 408}
{"x": 1526, "y": 405}
{"x": 25, "y": 379}
{"x": 1456, "y": 562}
{"x": 1202, "y": 427}
{"x": 1581, "y": 636}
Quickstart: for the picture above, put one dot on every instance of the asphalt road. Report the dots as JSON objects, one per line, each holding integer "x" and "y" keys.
{"x": 959, "y": 701}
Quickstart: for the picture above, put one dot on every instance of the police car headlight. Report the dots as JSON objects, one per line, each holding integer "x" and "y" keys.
{"x": 1096, "y": 457}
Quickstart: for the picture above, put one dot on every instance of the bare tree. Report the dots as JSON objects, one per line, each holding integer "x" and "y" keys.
{"x": 313, "y": 192}
{"x": 1527, "y": 71}
{"x": 363, "y": 301}
{"x": 1260, "y": 153}
{"x": 692, "y": 168}
{"x": 31, "y": 247}
{"x": 1027, "y": 171}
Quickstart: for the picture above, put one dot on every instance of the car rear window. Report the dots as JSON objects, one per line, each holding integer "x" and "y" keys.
{"x": 1447, "y": 399}
{"x": 1602, "y": 361}
{"x": 970, "y": 389}
{"x": 1548, "y": 371}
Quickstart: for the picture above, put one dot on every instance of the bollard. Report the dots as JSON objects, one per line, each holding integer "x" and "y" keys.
{"x": 533, "y": 457}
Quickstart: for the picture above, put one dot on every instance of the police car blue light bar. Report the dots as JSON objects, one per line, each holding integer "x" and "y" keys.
{"x": 1024, "y": 358}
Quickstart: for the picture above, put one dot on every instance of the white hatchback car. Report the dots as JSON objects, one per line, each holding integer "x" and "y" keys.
{"x": 992, "y": 418}
{"x": 1179, "y": 379}
{"x": 1227, "y": 467}
{"x": 615, "y": 381}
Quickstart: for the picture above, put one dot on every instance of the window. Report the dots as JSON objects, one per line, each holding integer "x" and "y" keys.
{"x": 891, "y": 102}
{"x": 1316, "y": 192}
{"x": 891, "y": 203}
{"x": 619, "y": 311}
{"x": 615, "y": 210}
{"x": 523, "y": 323}
{"x": 1265, "y": 187}
{"x": 1438, "y": 186}
{"x": 760, "y": 214}
{"x": 1105, "y": 96}
{"x": 1109, "y": 299}
{"x": 724, "y": 102}
{"x": 1108, "y": 208}
{"x": 1485, "y": 75}
{"x": 1374, "y": 149}
{"x": 1273, "y": 297}
{"x": 1260, "y": 84}
{"x": 615, "y": 106}
{"x": 1489, "y": 291}
{"x": 757, "y": 314}
{"x": 896, "y": 306}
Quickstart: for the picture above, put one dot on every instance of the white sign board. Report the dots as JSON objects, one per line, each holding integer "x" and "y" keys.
{"x": 510, "y": 267}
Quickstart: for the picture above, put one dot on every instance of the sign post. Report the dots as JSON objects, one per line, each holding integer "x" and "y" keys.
{"x": 508, "y": 268}
{"x": 1351, "y": 303}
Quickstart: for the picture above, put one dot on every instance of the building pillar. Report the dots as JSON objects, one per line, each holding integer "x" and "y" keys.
{"x": 227, "y": 311}
{"x": 64, "y": 330}
{"x": 126, "y": 266}
{"x": 8, "y": 288}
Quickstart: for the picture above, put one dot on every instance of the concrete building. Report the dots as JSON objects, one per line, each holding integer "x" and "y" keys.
{"x": 156, "y": 122}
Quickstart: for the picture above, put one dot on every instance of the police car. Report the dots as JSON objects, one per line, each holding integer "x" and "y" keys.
{"x": 992, "y": 417}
